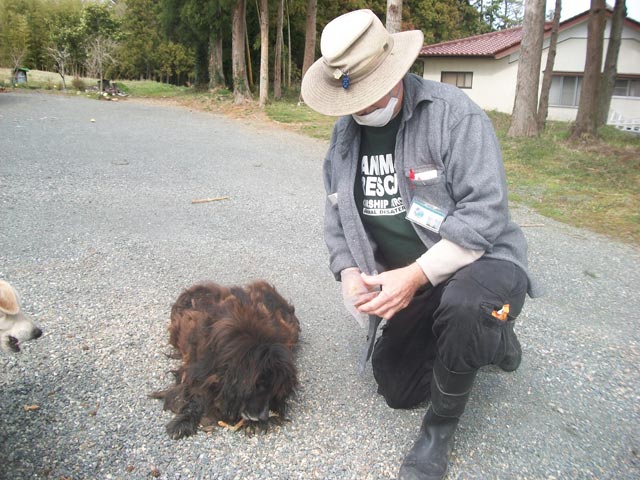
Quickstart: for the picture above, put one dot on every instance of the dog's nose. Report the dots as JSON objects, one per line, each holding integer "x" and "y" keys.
{"x": 37, "y": 333}
{"x": 14, "y": 345}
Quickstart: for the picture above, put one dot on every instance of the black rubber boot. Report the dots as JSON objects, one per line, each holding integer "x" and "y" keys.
{"x": 512, "y": 351}
{"x": 428, "y": 459}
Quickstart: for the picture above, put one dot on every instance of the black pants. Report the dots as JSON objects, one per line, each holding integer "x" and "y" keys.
{"x": 452, "y": 320}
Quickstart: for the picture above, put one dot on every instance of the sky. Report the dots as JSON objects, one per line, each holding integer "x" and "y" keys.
{"x": 571, "y": 8}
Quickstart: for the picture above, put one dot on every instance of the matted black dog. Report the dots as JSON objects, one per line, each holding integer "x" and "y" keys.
{"x": 236, "y": 349}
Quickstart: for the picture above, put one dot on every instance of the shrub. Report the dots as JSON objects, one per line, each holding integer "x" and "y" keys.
{"x": 78, "y": 84}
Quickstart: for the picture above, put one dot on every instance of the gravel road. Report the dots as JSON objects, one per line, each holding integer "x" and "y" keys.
{"x": 99, "y": 234}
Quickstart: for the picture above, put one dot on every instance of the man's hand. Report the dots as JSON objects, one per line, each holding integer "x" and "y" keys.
{"x": 354, "y": 290}
{"x": 397, "y": 289}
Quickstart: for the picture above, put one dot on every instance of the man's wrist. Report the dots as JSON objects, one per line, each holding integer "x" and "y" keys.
{"x": 418, "y": 275}
{"x": 349, "y": 269}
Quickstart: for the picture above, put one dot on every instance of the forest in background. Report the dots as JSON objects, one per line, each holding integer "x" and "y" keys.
{"x": 189, "y": 42}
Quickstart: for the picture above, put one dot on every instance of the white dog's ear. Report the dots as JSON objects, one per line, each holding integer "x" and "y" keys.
{"x": 8, "y": 299}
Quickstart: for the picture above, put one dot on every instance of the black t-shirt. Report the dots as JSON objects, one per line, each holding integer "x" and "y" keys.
{"x": 378, "y": 200}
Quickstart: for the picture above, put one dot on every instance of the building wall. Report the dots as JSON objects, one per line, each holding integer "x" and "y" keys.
{"x": 494, "y": 80}
{"x": 572, "y": 44}
{"x": 629, "y": 55}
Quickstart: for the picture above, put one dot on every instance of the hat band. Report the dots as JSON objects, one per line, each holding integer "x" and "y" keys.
{"x": 336, "y": 73}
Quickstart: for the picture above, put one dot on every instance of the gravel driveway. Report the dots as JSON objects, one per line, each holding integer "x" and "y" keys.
{"x": 99, "y": 234}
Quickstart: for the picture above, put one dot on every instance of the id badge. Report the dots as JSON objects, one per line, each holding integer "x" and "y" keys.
{"x": 426, "y": 215}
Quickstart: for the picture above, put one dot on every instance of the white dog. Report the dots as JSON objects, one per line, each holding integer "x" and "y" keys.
{"x": 15, "y": 327}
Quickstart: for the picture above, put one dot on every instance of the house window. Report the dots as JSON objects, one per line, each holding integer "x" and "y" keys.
{"x": 459, "y": 79}
{"x": 565, "y": 90}
{"x": 627, "y": 87}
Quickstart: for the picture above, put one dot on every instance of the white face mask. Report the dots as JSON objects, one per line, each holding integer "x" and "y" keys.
{"x": 379, "y": 117}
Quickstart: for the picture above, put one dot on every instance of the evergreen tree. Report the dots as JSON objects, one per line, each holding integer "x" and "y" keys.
{"x": 442, "y": 20}
{"x": 137, "y": 53}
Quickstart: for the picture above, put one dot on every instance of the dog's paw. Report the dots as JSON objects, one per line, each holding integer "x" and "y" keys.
{"x": 255, "y": 428}
{"x": 182, "y": 426}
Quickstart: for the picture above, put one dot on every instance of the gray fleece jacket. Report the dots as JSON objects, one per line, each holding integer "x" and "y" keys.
{"x": 442, "y": 130}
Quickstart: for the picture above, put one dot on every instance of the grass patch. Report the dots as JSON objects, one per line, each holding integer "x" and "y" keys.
{"x": 594, "y": 184}
{"x": 147, "y": 88}
{"x": 301, "y": 117}
{"x": 40, "y": 80}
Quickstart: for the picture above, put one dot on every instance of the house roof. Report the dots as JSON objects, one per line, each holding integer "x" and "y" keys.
{"x": 486, "y": 45}
{"x": 500, "y": 43}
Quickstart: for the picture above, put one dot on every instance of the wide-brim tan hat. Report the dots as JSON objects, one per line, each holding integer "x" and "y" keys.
{"x": 8, "y": 299}
{"x": 361, "y": 62}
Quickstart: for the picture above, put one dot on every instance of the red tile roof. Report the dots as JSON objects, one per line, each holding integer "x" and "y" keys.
{"x": 486, "y": 45}
{"x": 500, "y": 43}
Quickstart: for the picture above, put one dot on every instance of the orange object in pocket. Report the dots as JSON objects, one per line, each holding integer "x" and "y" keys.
{"x": 501, "y": 314}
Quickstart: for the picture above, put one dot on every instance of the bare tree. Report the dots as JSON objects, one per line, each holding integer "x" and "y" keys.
{"x": 547, "y": 77}
{"x": 99, "y": 57}
{"x": 523, "y": 120}
{"x": 394, "y": 16}
{"x": 608, "y": 79}
{"x": 587, "y": 116}
{"x": 60, "y": 56}
{"x": 277, "y": 62}
{"x": 310, "y": 36}
{"x": 264, "y": 51}
{"x": 239, "y": 72}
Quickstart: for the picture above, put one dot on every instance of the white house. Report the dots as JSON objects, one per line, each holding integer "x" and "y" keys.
{"x": 486, "y": 67}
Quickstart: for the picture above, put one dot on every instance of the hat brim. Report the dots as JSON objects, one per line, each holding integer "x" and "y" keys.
{"x": 327, "y": 96}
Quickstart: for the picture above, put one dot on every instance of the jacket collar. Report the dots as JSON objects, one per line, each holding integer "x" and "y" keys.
{"x": 415, "y": 92}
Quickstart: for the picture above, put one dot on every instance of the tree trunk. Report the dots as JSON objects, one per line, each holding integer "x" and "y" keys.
{"x": 100, "y": 71}
{"x": 394, "y": 16}
{"x": 586, "y": 118}
{"x": 264, "y": 51}
{"x": 543, "y": 104}
{"x": 64, "y": 84}
{"x": 310, "y": 36}
{"x": 216, "y": 73}
{"x": 289, "y": 48}
{"x": 523, "y": 120}
{"x": 202, "y": 64}
{"x": 608, "y": 79}
{"x": 247, "y": 47}
{"x": 277, "y": 63}
{"x": 239, "y": 72}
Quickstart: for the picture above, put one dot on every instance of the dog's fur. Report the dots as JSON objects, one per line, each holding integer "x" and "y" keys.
{"x": 15, "y": 326}
{"x": 236, "y": 348}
